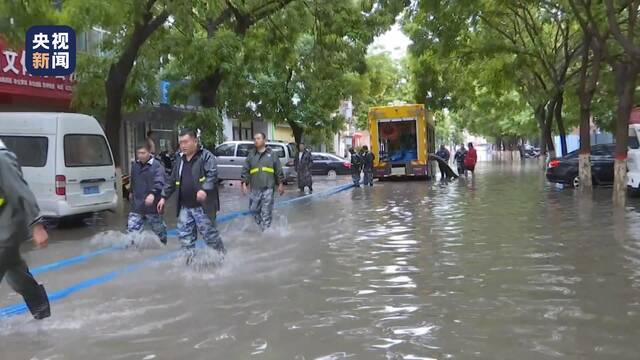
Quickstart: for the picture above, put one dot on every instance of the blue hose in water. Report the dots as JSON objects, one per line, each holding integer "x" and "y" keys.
{"x": 21, "y": 308}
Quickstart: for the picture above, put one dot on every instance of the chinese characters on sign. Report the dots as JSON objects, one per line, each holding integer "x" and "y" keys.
{"x": 14, "y": 78}
{"x": 50, "y": 50}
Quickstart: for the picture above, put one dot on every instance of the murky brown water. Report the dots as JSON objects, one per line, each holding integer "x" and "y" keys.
{"x": 502, "y": 266}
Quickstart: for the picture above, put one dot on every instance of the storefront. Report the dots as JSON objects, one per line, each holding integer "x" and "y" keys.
{"x": 20, "y": 91}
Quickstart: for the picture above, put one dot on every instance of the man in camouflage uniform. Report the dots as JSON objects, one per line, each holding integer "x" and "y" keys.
{"x": 261, "y": 173}
{"x": 367, "y": 165}
{"x": 19, "y": 221}
{"x": 147, "y": 182}
{"x": 195, "y": 178}
{"x": 356, "y": 167}
{"x": 303, "y": 168}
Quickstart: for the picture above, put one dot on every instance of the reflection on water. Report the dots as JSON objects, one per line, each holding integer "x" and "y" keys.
{"x": 500, "y": 266}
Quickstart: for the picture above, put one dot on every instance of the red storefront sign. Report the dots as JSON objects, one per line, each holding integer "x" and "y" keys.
{"x": 14, "y": 79}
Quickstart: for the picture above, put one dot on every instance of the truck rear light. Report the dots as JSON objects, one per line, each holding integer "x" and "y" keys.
{"x": 554, "y": 163}
{"x": 61, "y": 185}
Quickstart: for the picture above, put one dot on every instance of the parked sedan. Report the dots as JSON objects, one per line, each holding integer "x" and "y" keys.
{"x": 564, "y": 170}
{"x": 329, "y": 164}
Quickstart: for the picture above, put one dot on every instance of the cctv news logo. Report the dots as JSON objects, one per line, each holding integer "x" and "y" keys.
{"x": 50, "y": 50}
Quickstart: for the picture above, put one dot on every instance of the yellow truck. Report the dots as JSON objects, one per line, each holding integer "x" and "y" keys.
{"x": 402, "y": 136}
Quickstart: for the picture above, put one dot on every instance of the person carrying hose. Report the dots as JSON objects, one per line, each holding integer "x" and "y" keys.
{"x": 261, "y": 174}
{"x": 19, "y": 220}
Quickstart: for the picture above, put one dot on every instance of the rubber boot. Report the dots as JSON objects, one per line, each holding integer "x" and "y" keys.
{"x": 39, "y": 307}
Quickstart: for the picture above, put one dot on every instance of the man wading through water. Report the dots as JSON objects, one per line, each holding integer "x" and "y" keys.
{"x": 261, "y": 173}
{"x": 19, "y": 220}
{"x": 195, "y": 177}
{"x": 147, "y": 182}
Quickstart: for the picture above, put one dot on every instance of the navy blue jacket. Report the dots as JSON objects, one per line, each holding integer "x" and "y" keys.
{"x": 146, "y": 179}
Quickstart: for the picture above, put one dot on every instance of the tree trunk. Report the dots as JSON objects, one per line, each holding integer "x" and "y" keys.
{"x": 625, "y": 80}
{"x": 209, "y": 89}
{"x": 560, "y": 122}
{"x": 551, "y": 149}
{"x": 540, "y": 117}
{"x": 298, "y": 131}
{"x": 119, "y": 73}
{"x": 586, "y": 89}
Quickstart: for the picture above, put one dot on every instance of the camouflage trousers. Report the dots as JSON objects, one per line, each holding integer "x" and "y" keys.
{"x": 368, "y": 177}
{"x": 135, "y": 223}
{"x": 356, "y": 178}
{"x": 261, "y": 206}
{"x": 194, "y": 220}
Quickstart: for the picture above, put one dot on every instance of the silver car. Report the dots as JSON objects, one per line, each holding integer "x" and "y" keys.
{"x": 231, "y": 156}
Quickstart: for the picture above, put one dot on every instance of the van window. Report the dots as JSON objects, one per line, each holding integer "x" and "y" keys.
{"x": 243, "y": 150}
{"x": 225, "y": 150}
{"x": 30, "y": 150}
{"x": 84, "y": 150}
{"x": 277, "y": 149}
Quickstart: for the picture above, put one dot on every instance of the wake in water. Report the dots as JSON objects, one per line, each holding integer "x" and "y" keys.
{"x": 143, "y": 240}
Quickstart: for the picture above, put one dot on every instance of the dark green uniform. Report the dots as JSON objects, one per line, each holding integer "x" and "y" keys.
{"x": 18, "y": 212}
{"x": 262, "y": 171}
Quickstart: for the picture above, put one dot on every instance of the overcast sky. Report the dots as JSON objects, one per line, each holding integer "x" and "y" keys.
{"x": 394, "y": 41}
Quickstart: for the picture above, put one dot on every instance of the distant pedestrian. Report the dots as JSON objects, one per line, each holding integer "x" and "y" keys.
{"x": 147, "y": 182}
{"x": 459, "y": 158}
{"x": 303, "y": 164}
{"x": 470, "y": 159}
{"x": 444, "y": 154}
{"x": 356, "y": 167}
{"x": 195, "y": 178}
{"x": 261, "y": 174}
{"x": 151, "y": 142}
{"x": 20, "y": 220}
{"x": 367, "y": 165}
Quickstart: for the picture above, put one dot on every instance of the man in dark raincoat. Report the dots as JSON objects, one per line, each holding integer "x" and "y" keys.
{"x": 261, "y": 175}
{"x": 367, "y": 165}
{"x": 195, "y": 178}
{"x": 356, "y": 167}
{"x": 303, "y": 164}
{"x": 19, "y": 221}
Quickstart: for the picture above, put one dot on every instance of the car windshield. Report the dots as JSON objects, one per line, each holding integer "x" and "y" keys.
{"x": 278, "y": 149}
{"x": 243, "y": 150}
{"x": 573, "y": 154}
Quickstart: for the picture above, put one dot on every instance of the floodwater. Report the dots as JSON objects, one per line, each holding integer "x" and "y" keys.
{"x": 500, "y": 266}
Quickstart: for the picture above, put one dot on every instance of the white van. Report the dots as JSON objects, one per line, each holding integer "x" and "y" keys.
{"x": 633, "y": 157}
{"x": 66, "y": 160}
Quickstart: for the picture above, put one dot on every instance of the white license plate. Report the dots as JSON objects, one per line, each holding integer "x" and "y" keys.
{"x": 91, "y": 190}
{"x": 398, "y": 171}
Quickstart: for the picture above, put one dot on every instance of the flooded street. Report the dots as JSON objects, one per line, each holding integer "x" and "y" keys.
{"x": 500, "y": 266}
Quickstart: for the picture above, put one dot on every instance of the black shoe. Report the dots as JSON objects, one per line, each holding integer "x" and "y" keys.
{"x": 39, "y": 307}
